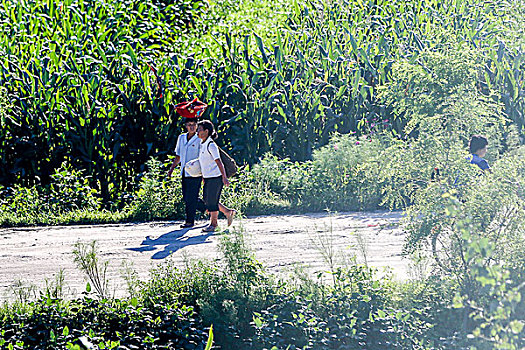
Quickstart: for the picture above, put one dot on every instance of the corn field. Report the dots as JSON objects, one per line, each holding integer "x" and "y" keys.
{"x": 94, "y": 83}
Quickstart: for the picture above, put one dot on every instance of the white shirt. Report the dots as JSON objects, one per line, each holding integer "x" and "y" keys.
{"x": 187, "y": 150}
{"x": 208, "y": 154}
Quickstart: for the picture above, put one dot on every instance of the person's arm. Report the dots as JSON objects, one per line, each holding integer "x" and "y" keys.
{"x": 176, "y": 162}
{"x": 225, "y": 180}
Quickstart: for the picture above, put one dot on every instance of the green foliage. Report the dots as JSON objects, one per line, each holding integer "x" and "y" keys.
{"x": 157, "y": 197}
{"x": 343, "y": 174}
{"x": 438, "y": 102}
{"x": 224, "y": 296}
{"x": 107, "y": 323}
{"x": 248, "y": 195}
{"x": 439, "y": 95}
{"x": 249, "y": 310}
{"x": 491, "y": 288}
{"x": 82, "y": 86}
{"x": 87, "y": 261}
{"x": 68, "y": 200}
{"x": 102, "y": 96}
{"x": 70, "y": 190}
{"x": 492, "y": 203}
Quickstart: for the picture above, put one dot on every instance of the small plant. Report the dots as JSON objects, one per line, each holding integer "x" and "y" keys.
{"x": 323, "y": 241}
{"x": 241, "y": 263}
{"x": 54, "y": 289}
{"x": 130, "y": 275}
{"x": 362, "y": 245}
{"x": 70, "y": 190}
{"x": 88, "y": 262}
{"x": 23, "y": 292}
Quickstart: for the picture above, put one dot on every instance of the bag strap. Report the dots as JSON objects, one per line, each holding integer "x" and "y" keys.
{"x": 218, "y": 148}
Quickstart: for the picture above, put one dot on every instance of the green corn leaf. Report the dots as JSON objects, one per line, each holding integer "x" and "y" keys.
{"x": 261, "y": 48}
{"x": 132, "y": 54}
{"x": 209, "y": 344}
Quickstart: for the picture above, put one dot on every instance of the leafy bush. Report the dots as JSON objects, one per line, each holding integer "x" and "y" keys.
{"x": 107, "y": 323}
{"x": 343, "y": 174}
{"x": 441, "y": 106}
{"x": 493, "y": 203}
{"x": 225, "y": 295}
{"x": 489, "y": 288}
{"x": 69, "y": 199}
{"x": 157, "y": 198}
{"x": 357, "y": 312}
{"x": 70, "y": 190}
{"x": 250, "y": 195}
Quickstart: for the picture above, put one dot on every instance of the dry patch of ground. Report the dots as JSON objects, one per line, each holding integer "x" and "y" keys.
{"x": 32, "y": 255}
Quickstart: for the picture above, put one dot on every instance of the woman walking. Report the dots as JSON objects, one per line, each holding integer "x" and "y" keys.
{"x": 188, "y": 147}
{"x": 213, "y": 173}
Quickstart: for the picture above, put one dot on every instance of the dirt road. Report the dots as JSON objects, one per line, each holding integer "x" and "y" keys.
{"x": 31, "y": 255}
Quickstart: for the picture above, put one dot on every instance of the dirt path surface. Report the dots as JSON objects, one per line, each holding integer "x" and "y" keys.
{"x": 32, "y": 255}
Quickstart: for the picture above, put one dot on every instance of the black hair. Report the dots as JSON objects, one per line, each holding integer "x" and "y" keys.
{"x": 208, "y": 125}
{"x": 477, "y": 142}
{"x": 186, "y": 120}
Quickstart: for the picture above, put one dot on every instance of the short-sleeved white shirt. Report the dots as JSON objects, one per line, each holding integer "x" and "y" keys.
{"x": 208, "y": 154}
{"x": 187, "y": 150}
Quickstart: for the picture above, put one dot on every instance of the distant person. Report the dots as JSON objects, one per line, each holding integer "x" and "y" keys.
{"x": 213, "y": 173}
{"x": 478, "y": 150}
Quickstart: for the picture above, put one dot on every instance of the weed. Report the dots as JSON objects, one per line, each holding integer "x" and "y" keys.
{"x": 23, "y": 292}
{"x": 362, "y": 245}
{"x": 55, "y": 288}
{"x": 130, "y": 275}
{"x": 88, "y": 262}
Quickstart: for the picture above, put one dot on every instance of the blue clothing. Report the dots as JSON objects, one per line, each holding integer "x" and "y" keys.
{"x": 480, "y": 162}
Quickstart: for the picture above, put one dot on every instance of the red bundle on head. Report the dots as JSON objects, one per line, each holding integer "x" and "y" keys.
{"x": 191, "y": 109}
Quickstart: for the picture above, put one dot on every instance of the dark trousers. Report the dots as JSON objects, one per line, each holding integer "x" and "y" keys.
{"x": 212, "y": 193}
{"x": 190, "y": 194}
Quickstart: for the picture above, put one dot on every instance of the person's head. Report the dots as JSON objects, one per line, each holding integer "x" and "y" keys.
{"x": 478, "y": 145}
{"x": 190, "y": 124}
{"x": 205, "y": 129}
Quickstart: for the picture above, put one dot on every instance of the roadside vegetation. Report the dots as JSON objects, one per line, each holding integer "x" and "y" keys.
{"x": 235, "y": 303}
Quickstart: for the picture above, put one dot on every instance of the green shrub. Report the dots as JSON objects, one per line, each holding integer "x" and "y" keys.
{"x": 108, "y": 323}
{"x": 251, "y": 196}
{"x": 438, "y": 101}
{"x": 343, "y": 174}
{"x": 493, "y": 203}
{"x": 70, "y": 190}
{"x": 157, "y": 198}
{"x": 224, "y": 295}
{"x": 357, "y": 312}
{"x": 69, "y": 199}
{"x": 490, "y": 287}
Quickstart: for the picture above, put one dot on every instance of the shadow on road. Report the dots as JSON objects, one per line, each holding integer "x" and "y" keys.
{"x": 172, "y": 241}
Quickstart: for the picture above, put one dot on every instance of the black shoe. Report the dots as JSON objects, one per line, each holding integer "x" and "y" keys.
{"x": 186, "y": 225}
